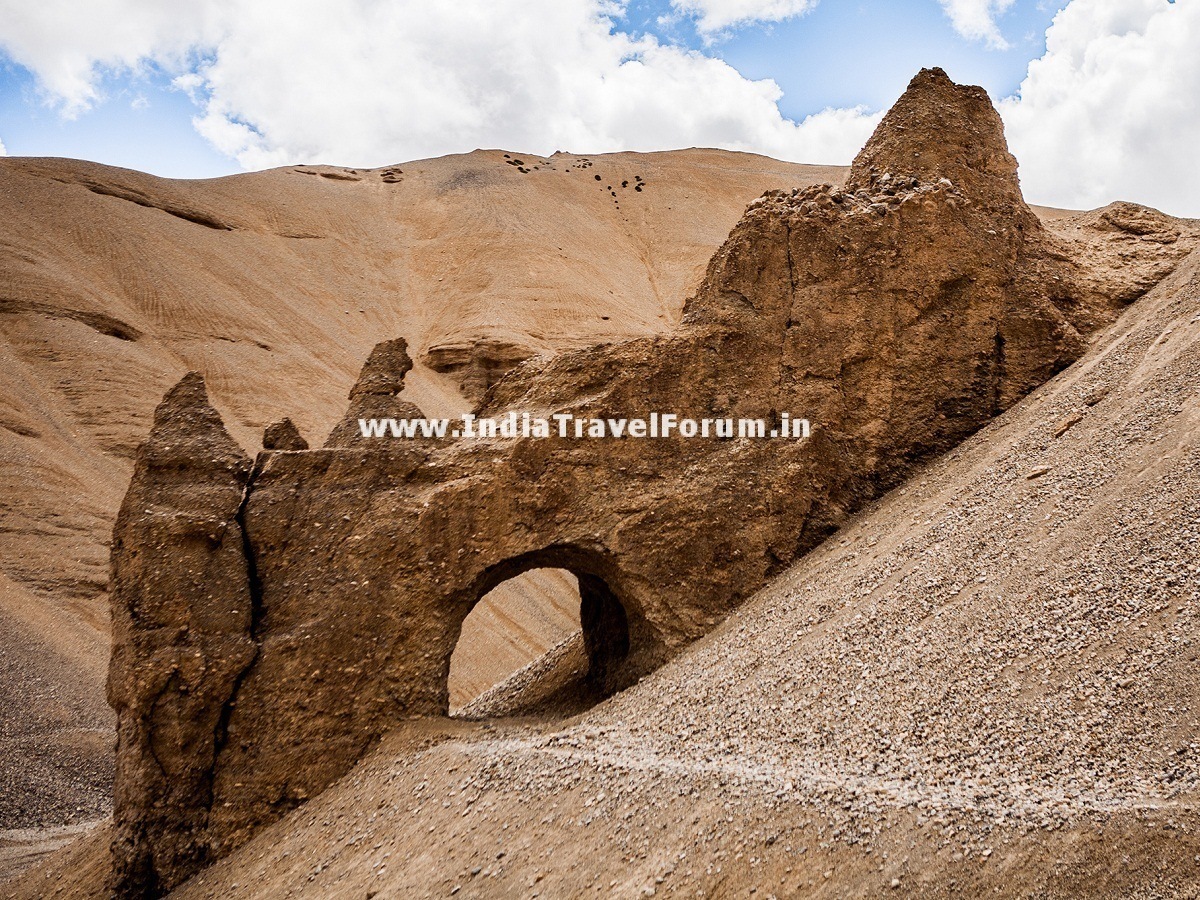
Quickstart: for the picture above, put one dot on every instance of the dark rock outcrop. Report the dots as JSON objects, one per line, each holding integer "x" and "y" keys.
{"x": 182, "y": 622}
{"x": 939, "y": 129}
{"x": 376, "y": 393}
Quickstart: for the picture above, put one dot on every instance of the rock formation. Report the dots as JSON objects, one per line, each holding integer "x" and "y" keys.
{"x": 477, "y": 365}
{"x": 376, "y": 393}
{"x": 182, "y": 613}
{"x": 898, "y": 315}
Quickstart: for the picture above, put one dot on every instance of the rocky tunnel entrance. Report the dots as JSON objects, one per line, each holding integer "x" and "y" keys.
{"x": 544, "y": 640}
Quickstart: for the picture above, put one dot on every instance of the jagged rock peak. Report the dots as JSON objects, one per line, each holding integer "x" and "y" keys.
{"x": 189, "y": 390}
{"x": 384, "y": 370}
{"x": 180, "y": 594}
{"x": 375, "y": 394}
{"x": 187, "y": 429}
{"x": 939, "y": 129}
{"x": 284, "y": 435}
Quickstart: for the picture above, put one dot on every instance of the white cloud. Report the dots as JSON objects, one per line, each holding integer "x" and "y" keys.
{"x": 3, "y": 149}
{"x": 1112, "y": 110}
{"x": 976, "y": 19}
{"x": 372, "y": 82}
{"x": 713, "y": 16}
{"x": 65, "y": 42}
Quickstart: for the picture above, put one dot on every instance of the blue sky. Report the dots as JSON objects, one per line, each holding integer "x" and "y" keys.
{"x": 1100, "y": 98}
{"x": 840, "y": 54}
{"x": 143, "y": 123}
{"x": 865, "y": 51}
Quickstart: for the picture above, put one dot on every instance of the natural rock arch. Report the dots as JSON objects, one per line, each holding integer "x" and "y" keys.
{"x": 272, "y": 619}
{"x": 603, "y": 617}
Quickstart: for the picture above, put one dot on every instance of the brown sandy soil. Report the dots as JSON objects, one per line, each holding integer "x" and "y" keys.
{"x": 20, "y": 847}
{"x": 275, "y": 285}
{"x": 988, "y": 683}
{"x": 55, "y": 737}
{"x": 553, "y": 685}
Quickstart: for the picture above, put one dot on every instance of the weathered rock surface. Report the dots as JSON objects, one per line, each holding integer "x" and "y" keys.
{"x": 1124, "y": 250}
{"x": 898, "y": 315}
{"x": 985, "y": 685}
{"x": 182, "y": 611}
{"x": 477, "y": 365}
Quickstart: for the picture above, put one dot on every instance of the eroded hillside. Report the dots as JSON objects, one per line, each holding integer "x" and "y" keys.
{"x": 275, "y": 285}
{"x": 307, "y": 278}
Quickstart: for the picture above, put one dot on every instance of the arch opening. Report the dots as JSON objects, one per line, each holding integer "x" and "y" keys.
{"x": 539, "y": 639}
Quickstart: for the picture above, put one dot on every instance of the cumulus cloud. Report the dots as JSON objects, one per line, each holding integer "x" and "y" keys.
{"x": 713, "y": 16}
{"x": 1112, "y": 110}
{"x": 976, "y": 19}
{"x": 66, "y": 43}
{"x": 374, "y": 82}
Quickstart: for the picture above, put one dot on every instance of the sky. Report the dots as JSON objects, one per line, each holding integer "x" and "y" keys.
{"x": 1100, "y": 98}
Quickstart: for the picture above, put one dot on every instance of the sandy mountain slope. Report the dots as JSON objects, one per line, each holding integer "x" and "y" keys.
{"x": 276, "y": 285}
{"x": 987, "y": 683}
